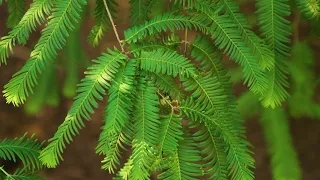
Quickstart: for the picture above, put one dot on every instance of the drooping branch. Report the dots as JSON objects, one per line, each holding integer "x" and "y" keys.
{"x": 5, "y": 172}
{"x": 113, "y": 25}
{"x": 165, "y": 99}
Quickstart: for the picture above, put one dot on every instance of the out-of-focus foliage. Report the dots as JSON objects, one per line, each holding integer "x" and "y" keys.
{"x": 275, "y": 122}
{"x": 310, "y": 8}
{"x": 47, "y": 92}
{"x": 303, "y": 88}
{"x": 284, "y": 161}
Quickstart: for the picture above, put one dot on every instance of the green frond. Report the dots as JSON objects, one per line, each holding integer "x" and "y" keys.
{"x": 137, "y": 48}
{"x": 156, "y": 165}
{"x": 210, "y": 59}
{"x": 310, "y": 8}
{"x": 215, "y": 96}
{"x": 139, "y": 10}
{"x": 113, "y": 146}
{"x": 0, "y": 2}
{"x": 170, "y": 133}
{"x": 166, "y": 62}
{"x": 66, "y": 13}
{"x": 256, "y": 44}
{"x": 20, "y": 33}
{"x": 165, "y": 83}
{"x": 206, "y": 88}
{"x": 124, "y": 173}
{"x": 102, "y": 21}
{"x": 91, "y": 88}
{"x": 116, "y": 131}
{"x": 25, "y": 149}
{"x": 276, "y": 31}
{"x": 238, "y": 155}
{"x": 182, "y": 163}
{"x": 228, "y": 38}
{"x": 146, "y": 128}
{"x": 23, "y": 174}
{"x": 276, "y": 92}
{"x": 214, "y": 87}
{"x": 165, "y": 22}
{"x": 16, "y": 9}
{"x": 284, "y": 160}
{"x": 212, "y": 150}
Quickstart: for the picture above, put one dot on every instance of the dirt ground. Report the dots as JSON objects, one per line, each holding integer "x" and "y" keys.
{"x": 81, "y": 162}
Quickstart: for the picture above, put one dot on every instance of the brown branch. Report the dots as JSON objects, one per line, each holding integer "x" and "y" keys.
{"x": 113, "y": 25}
{"x": 172, "y": 107}
{"x": 185, "y": 41}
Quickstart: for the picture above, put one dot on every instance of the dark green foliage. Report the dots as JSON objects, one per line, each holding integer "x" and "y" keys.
{"x": 164, "y": 22}
{"x": 237, "y": 158}
{"x": 212, "y": 149}
{"x": 256, "y": 44}
{"x": 181, "y": 163}
{"x": 140, "y": 10}
{"x": 22, "y": 174}
{"x": 276, "y": 31}
{"x": 160, "y": 61}
{"x": 16, "y": 10}
{"x": 91, "y": 89}
{"x": 228, "y": 38}
{"x": 169, "y": 98}
{"x": 170, "y": 133}
{"x": 25, "y": 149}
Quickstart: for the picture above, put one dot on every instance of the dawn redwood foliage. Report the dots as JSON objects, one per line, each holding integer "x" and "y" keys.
{"x": 169, "y": 96}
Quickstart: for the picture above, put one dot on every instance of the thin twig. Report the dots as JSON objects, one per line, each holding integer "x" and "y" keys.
{"x": 5, "y": 172}
{"x": 172, "y": 107}
{"x": 185, "y": 34}
{"x": 113, "y": 25}
{"x": 185, "y": 41}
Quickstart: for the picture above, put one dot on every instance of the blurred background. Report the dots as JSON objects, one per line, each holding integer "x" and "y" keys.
{"x": 43, "y": 113}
